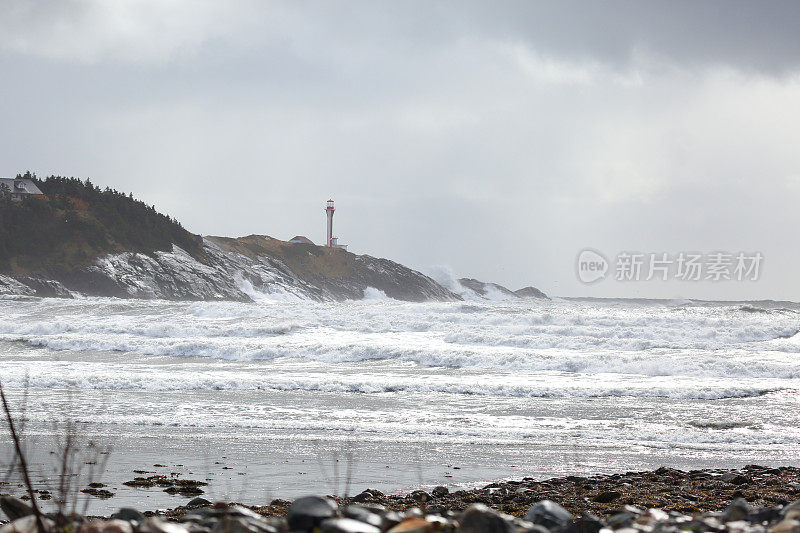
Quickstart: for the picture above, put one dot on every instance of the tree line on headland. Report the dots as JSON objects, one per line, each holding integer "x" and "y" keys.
{"x": 76, "y": 221}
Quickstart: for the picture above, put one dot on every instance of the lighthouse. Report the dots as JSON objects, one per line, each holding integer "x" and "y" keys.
{"x": 329, "y": 212}
{"x": 330, "y": 240}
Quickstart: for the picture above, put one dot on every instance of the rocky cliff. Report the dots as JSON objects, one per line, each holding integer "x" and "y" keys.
{"x": 237, "y": 269}
{"x": 530, "y": 292}
{"x": 493, "y": 291}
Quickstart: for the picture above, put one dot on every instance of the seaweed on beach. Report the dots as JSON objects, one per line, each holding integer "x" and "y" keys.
{"x": 171, "y": 485}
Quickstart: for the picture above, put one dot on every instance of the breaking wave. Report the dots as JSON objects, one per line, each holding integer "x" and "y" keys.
{"x": 673, "y": 377}
{"x": 590, "y": 338}
{"x": 599, "y": 349}
{"x": 195, "y": 377}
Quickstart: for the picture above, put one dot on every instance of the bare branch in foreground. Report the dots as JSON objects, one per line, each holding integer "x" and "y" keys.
{"x": 22, "y": 461}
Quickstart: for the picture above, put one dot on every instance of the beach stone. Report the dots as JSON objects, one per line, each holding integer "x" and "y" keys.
{"x": 117, "y": 526}
{"x": 191, "y": 527}
{"x": 232, "y": 517}
{"x": 440, "y": 491}
{"x": 765, "y": 515}
{"x": 347, "y": 525}
{"x": 737, "y": 510}
{"x": 792, "y": 510}
{"x": 440, "y": 510}
{"x": 128, "y": 514}
{"x": 588, "y": 523}
{"x": 740, "y": 526}
{"x": 105, "y": 526}
{"x": 156, "y": 525}
{"x": 786, "y": 525}
{"x": 421, "y": 496}
{"x": 527, "y": 527}
{"x": 478, "y": 518}
{"x": 549, "y": 514}
{"x": 376, "y": 508}
{"x": 390, "y": 519}
{"x": 308, "y": 512}
{"x": 240, "y": 511}
{"x": 413, "y": 524}
{"x": 439, "y": 523}
{"x": 667, "y": 471}
{"x": 607, "y": 496}
{"x": 231, "y": 524}
{"x": 368, "y": 495}
{"x": 356, "y": 512}
{"x": 200, "y": 515}
{"x": 365, "y": 496}
{"x": 27, "y": 524}
{"x": 657, "y": 515}
{"x": 712, "y": 523}
{"x": 15, "y": 508}
{"x": 198, "y": 502}
{"x": 621, "y": 520}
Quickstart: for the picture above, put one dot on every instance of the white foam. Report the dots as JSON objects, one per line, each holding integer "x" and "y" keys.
{"x": 276, "y": 293}
{"x": 118, "y": 372}
{"x": 572, "y": 337}
{"x": 371, "y": 293}
{"x": 444, "y": 276}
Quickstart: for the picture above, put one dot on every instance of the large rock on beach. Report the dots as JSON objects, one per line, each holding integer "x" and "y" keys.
{"x": 414, "y": 524}
{"x": 15, "y": 508}
{"x": 363, "y": 514}
{"x": 198, "y": 502}
{"x": 346, "y": 525}
{"x": 28, "y": 524}
{"x": 478, "y": 518}
{"x": 550, "y": 515}
{"x": 129, "y": 515}
{"x": 309, "y": 512}
{"x": 157, "y": 525}
{"x": 738, "y": 509}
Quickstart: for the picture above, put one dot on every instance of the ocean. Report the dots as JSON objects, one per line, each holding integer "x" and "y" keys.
{"x": 277, "y": 399}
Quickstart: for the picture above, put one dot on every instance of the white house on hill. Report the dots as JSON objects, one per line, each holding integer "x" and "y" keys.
{"x": 20, "y": 187}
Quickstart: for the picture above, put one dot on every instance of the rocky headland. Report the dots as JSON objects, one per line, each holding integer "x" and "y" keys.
{"x": 246, "y": 268}
{"x": 78, "y": 239}
{"x": 238, "y": 270}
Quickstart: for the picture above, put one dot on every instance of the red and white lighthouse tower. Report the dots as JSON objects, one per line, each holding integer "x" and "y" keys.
{"x": 329, "y": 211}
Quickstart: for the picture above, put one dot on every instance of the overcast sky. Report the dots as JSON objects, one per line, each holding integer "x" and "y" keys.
{"x": 497, "y": 139}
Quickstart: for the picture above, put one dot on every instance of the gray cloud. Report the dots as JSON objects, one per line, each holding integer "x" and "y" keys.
{"x": 757, "y": 36}
{"x": 497, "y": 138}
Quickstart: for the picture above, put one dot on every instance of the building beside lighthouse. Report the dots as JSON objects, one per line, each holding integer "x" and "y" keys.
{"x": 330, "y": 240}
